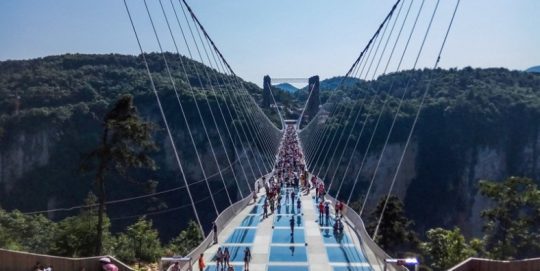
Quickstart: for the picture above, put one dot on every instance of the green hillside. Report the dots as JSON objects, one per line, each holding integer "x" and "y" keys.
{"x": 50, "y": 118}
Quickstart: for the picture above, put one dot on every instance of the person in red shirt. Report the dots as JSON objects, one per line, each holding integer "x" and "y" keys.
{"x": 202, "y": 265}
{"x": 339, "y": 208}
{"x": 321, "y": 211}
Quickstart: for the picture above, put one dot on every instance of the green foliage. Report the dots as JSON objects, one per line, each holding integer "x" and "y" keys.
{"x": 16, "y": 228}
{"x": 76, "y": 235}
{"x": 395, "y": 235}
{"x": 140, "y": 242}
{"x": 512, "y": 226}
{"x": 124, "y": 249}
{"x": 187, "y": 240}
{"x": 466, "y": 112}
{"x": 127, "y": 139}
{"x": 126, "y": 143}
{"x": 446, "y": 248}
{"x": 62, "y": 103}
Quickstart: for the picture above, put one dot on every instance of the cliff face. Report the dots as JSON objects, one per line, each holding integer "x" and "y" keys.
{"x": 477, "y": 124}
{"x": 47, "y": 132}
{"x": 23, "y": 154}
{"x": 480, "y": 163}
{"x": 31, "y": 150}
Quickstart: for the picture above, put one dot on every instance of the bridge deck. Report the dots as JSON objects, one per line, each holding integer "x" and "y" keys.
{"x": 313, "y": 246}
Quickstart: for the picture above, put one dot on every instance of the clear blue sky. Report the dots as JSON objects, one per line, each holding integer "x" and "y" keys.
{"x": 282, "y": 38}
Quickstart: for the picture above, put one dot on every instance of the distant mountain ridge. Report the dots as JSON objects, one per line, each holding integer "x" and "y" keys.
{"x": 332, "y": 83}
{"x": 286, "y": 87}
{"x": 535, "y": 69}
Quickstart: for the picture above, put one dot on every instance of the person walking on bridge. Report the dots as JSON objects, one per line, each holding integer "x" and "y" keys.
{"x": 265, "y": 208}
{"x": 291, "y": 222}
{"x": 214, "y": 230}
{"x": 254, "y": 197}
{"x": 247, "y": 258}
{"x": 202, "y": 265}
{"x": 327, "y": 212}
{"x": 339, "y": 208}
{"x": 226, "y": 257}
{"x": 272, "y": 205}
{"x": 219, "y": 259}
{"x": 321, "y": 212}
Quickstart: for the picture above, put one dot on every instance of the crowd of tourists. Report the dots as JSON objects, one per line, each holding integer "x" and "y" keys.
{"x": 289, "y": 181}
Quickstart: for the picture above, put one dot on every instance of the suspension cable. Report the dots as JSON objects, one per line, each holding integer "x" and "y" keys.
{"x": 127, "y": 199}
{"x": 196, "y": 21}
{"x": 189, "y": 25}
{"x": 424, "y": 95}
{"x": 398, "y": 110}
{"x": 209, "y": 109}
{"x": 355, "y": 63}
{"x": 387, "y": 98}
{"x": 370, "y": 106}
{"x": 177, "y": 157}
{"x": 337, "y": 109}
{"x": 182, "y": 109}
{"x": 189, "y": 51}
{"x": 330, "y": 139}
{"x": 315, "y": 140}
{"x": 362, "y": 104}
{"x": 166, "y": 211}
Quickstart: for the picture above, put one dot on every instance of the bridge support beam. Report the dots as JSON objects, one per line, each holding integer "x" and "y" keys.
{"x": 267, "y": 96}
{"x": 312, "y": 106}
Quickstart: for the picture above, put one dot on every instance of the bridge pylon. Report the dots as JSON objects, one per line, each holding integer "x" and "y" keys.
{"x": 267, "y": 95}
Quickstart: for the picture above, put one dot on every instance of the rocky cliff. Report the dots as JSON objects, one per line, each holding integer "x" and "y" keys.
{"x": 475, "y": 124}
{"x": 48, "y": 131}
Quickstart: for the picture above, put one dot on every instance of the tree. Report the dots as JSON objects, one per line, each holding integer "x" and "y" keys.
{"x": 76, "y": 235}
{"x": 19, "y": 231}
{"x": 187, "y": 240}
{"x": 446, "y": 248}
{"x": 395, "y": 233}
{"x": 125, "y": 142}
{"x": 512, "y": 226}
{"x": 139, "y": 242}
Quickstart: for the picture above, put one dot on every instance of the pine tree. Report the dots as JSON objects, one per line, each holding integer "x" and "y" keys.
{"x": 126, "y": 140}
{"x": 512, "y": 226}
{"x": 395, "y": 233}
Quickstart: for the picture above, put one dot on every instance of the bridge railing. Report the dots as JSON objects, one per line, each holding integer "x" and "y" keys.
{"x": 221, "y": 222}
{"x": 478, "y": 264}
{"x": 16, "y": 260}
{"x": 367, "y": 244}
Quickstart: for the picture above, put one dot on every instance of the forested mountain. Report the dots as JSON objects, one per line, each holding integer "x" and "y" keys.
{"x": 51, "y": 112}
{"x": 475, "y": 124}
{"x": 332, "y": 83}
{"x": 287, "y": 87}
